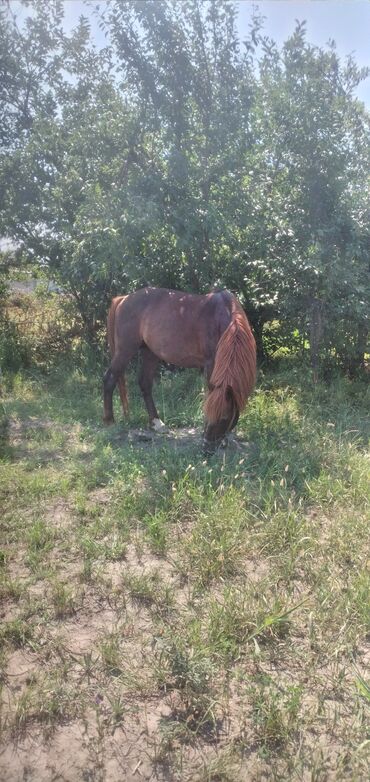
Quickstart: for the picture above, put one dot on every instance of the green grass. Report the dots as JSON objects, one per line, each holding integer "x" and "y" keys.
{"x": 216, "y": 611}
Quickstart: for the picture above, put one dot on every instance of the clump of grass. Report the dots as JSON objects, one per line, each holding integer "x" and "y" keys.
{"x": 149, "y": 589}
{"x": 275, "y": 712}
{"x": 115, "y": 548}
{"x": 243, "y": 615}
{"x": 342, "y": 608}
{"x": 4, "y": 431}
{"x": 16, "y": 633}
{"x": 40, "y": 541}
{"x": 363, "y": 688}
{"x": 47, "y": 700}
{"x": 217, "y": 543}
{"x": 156, "y": 527}
{"x": 189, "y": 670}
{"x": 10, "y": 588}
{"x": 225, "y": 767}
{"x": 86, "y": 573}
{"x": 117, "y": 710}
{"x": 110, "y": 651}
{"x": 63, "y": 599}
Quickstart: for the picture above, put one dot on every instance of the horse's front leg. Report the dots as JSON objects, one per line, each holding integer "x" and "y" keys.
{"x": 149, "y": 365}
{"x": 208, "y": 445}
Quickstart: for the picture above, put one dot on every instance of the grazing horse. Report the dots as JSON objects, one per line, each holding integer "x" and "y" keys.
{"x": 209, "y": 332}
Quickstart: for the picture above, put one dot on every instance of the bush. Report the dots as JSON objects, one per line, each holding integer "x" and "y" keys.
{"x": 37, "y": 329}
{"x": 14, "y": 348}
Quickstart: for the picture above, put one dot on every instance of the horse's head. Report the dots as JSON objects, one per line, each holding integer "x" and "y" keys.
{"x": 215, "y": 431}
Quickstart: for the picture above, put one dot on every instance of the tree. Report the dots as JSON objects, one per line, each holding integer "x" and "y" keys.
{"x": 179, "y": 156}
{"x": 307, "y": 242}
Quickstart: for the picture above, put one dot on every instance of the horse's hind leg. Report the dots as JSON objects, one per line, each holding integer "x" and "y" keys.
{"x": 114, "y": 375}
{"x": 109, "y": 383}
{"x": 149, "y": 364}
{"x": 123, "y": 393}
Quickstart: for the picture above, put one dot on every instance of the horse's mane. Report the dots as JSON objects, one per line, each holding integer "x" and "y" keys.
{"x": 235, "y": 366}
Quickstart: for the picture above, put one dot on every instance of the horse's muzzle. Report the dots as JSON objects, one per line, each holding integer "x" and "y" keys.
{"x": 211, "y": 446}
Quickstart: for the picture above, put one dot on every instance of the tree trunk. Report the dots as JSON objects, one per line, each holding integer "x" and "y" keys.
{"x": 316, "y": 328}
{"x": 257, "y": 320}
{"x": 357, "y": 361}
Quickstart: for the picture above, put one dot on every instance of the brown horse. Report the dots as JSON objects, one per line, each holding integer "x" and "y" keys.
{"x": 208, "y": 332}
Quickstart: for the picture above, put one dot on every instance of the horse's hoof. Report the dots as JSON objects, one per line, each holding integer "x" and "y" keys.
{"x": 158, "y": 425}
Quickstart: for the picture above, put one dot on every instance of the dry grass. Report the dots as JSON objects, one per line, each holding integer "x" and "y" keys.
{"x": 163, "y": 617}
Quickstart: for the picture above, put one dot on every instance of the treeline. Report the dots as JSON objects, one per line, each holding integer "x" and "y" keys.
{"x": 180, "y": 156}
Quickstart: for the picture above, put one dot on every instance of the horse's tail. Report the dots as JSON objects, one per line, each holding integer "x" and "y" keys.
{"x": 121, "y": 382}
{"x": 235, "y": 367}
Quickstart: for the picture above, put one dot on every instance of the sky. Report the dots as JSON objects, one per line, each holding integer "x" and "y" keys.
{"x": 347, "y": 22}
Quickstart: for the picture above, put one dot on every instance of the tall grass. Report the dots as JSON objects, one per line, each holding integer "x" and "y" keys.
{"x": 237, "y": 586}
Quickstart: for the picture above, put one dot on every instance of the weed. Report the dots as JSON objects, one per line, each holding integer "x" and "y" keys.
{"x": 63, "y": 600}
{"x": 10, "y": 588}
{"x": 241, "y": 616}
{"x": 40, "y": 540}
{"x": 47, "y": 700}
{"x": 148, "y": 588}
{"x": 16, "y": 633}
{"x": 275, "y": 712}
{"x": 110, "y": 650}
{"x": 118, "y": 710}
{"x": 216, "y": 544}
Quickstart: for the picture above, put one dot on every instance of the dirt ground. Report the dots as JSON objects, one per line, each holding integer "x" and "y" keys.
{"x": 90, "y": 691}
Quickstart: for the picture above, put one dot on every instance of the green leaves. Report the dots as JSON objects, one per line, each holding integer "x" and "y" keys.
{"x": 175, "y": 156}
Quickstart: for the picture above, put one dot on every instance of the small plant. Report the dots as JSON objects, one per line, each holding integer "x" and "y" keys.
{"x": 87, "y": 569}
{"x": 363, "y": 688}
{"x": 116, "y": 549}
{"x": 216, "y": 544}
{"x": 63, "y": 600}
{"x": 4, "y": 427}
{"x": 10, "y": 588}
{"x": 148, "y": 588}
{"x": 244, "y": 616}
{"x": 16, "y": 633}
{"x": 223, "y": 768}
{"x": 156, "y": 528}
{"x": 110, "y": 651}
{"x": 88, "y": 662}
{"x": 47, "y": 700}
{"x": 118, "y": 710}
{"x": 275, "y": 712}
{"x": 190, "y": 672}
{"x": 40, "y": 539}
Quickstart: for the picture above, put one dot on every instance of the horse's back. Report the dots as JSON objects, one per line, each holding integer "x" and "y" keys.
{"x": 180, "y": 328}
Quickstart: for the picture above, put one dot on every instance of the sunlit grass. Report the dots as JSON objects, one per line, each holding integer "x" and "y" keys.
{"x": 228, "y": 587}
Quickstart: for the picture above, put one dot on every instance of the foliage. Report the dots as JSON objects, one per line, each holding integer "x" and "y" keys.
{"x": 180, "y": 156}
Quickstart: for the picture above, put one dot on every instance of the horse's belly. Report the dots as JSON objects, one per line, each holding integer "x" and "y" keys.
{"x": 183, "y": 358}
{"x": 174, "y": 347}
